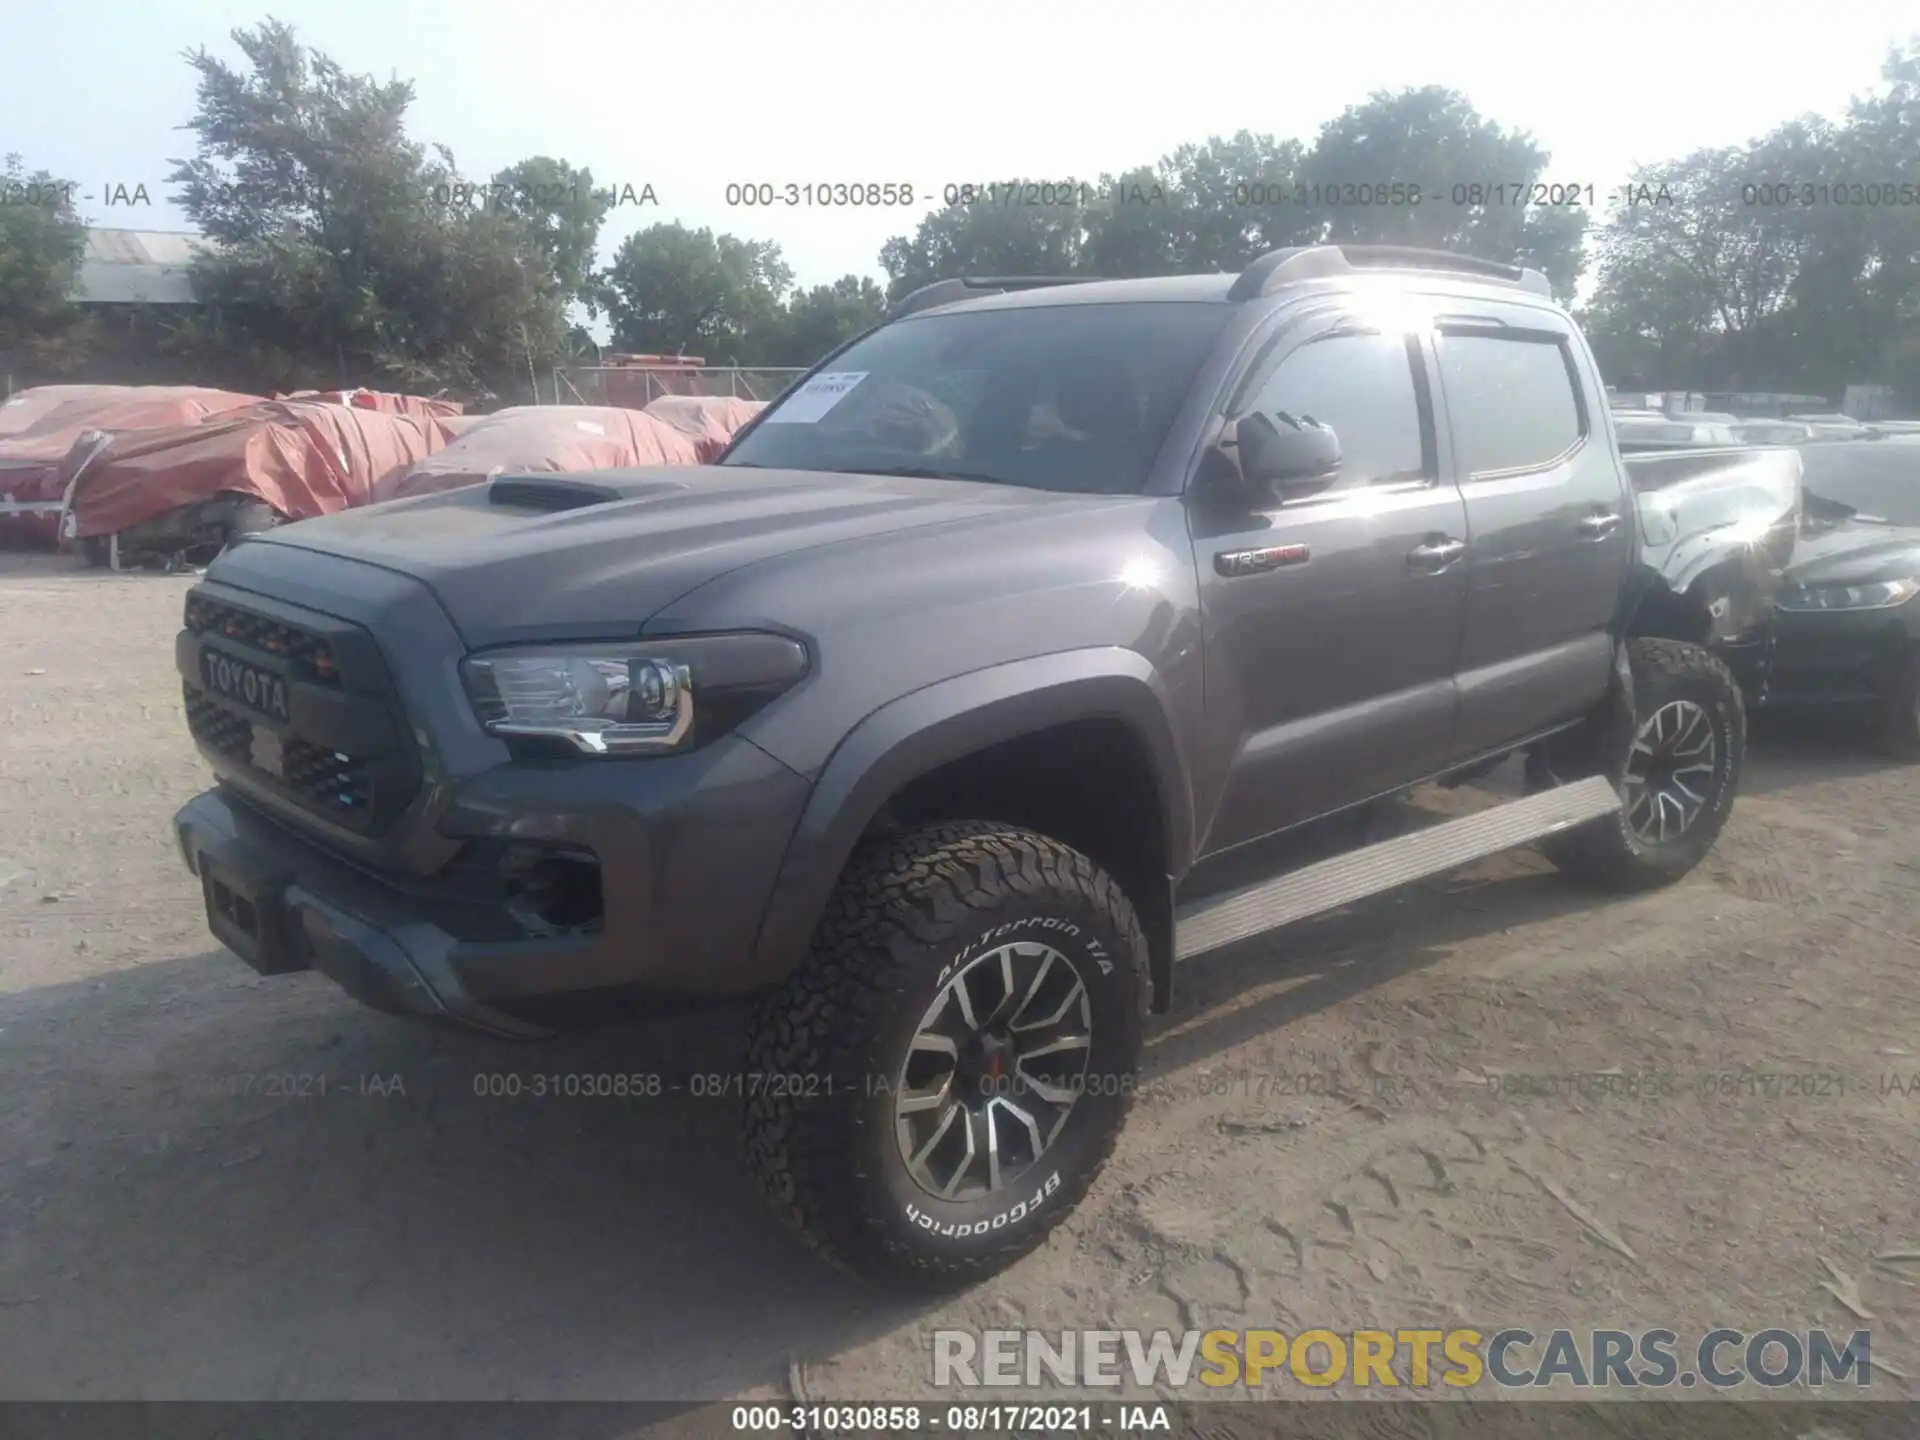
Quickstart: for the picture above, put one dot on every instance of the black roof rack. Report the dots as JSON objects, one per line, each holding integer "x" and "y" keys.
{"x": 1279, "y": 268}
{"x": 966, "y": 287}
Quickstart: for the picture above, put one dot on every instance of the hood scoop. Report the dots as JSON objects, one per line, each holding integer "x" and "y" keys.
{"x": 550, "y": 493}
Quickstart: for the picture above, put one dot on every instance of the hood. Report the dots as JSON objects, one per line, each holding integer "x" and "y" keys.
{"x": 596, "y": 554}
{"x": 1855, "y": 552}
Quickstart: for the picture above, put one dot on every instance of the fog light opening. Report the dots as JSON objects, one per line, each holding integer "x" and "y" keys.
{"x": 552, "y": 892}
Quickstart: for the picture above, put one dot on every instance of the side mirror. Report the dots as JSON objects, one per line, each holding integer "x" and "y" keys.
{"x": 1286, "y": 456}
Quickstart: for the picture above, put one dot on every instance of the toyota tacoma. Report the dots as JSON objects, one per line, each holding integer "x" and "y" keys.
{"x": 963, "y": 695}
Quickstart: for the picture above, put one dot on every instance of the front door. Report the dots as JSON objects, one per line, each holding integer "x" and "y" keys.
{"x": 1333, "y": 618}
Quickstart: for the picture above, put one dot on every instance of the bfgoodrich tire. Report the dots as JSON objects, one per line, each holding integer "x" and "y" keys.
{"x": 940, "y": 1081}
{"x": 1677, "y": 764}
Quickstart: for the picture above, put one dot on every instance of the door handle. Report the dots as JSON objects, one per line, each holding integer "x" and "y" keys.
{"x": 1437, "y": 555}
{"x": 1599, "y": 525}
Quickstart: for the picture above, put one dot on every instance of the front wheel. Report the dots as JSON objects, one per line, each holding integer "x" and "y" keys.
{"x": 1676, "y": 762}
{"x": 940, "y": 1081}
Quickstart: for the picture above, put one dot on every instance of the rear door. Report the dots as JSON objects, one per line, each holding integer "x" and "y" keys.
{"x": 1333, "y": 618}
{"x": 1549, "y": 518}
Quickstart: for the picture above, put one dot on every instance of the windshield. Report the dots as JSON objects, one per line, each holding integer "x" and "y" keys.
{"x": 1053, "y": 397}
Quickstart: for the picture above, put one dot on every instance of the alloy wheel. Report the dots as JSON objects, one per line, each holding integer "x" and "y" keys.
{"x": 1670, "y": 771}
{"x": 993, "y": 1071}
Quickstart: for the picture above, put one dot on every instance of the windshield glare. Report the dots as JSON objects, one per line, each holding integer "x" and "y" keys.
{"x": 1055, "y": 397}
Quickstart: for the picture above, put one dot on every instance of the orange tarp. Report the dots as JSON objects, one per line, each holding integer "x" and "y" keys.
{"x": 302, "y": 457}
{"x": 38, "y": 427}
{"x": 539, "y": 438}
{"x": 708, "y": 420}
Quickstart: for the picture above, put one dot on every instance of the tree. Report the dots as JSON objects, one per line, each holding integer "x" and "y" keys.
{"x": 1788, "y": 262}
{"x": 1648, "y": 322}
{"x": 1702, "y": 278}
{"x": 1860, "y": 289}
{"x": 677, "y": 291}
{"x": 1383, "y": 171}
{"x": 1692, "y": 263}
{"x": 1473, "y": 180}
{"x": 564, "y": 212}
{"x": 991, "y": 233}
{"x": 1235, "y": 200}
{"x": 817, "y": 321}
{"x": 42, "y": 242}
{"x": 1211, "y": 207}
{"x": 343, "y": 249}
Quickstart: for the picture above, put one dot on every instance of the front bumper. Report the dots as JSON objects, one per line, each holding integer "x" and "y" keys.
{"x": 688, "y": 848}
{"x": 1841, "y": 657}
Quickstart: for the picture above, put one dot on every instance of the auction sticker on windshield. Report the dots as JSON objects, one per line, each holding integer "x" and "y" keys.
{"x": 816, "y": 397}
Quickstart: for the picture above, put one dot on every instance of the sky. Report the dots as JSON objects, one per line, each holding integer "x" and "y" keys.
{"x": 689, "y": 98}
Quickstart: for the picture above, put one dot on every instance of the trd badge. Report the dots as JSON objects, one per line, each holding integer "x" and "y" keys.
{"x": 1233, "y": 563}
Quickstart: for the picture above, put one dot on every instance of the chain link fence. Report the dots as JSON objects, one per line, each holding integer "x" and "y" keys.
{"x": 632, "y": 387}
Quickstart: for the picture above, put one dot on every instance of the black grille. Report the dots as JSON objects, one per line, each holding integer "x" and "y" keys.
{"x": 344, "y": 755}
{"x": 309, "y": 655}
{"x": 216, "y": 726}
{"x": 329, "y": 780}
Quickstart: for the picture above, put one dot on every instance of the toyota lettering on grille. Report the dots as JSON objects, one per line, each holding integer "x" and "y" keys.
{"x": 249, "y": 685}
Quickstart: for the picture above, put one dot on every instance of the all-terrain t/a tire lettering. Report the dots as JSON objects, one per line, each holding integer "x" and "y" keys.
{"x": 920, "y": 940}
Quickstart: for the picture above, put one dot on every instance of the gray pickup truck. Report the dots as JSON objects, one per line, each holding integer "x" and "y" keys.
{"x": 963, "y": 696}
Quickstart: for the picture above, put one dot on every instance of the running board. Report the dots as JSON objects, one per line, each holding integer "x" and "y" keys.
{"x": 1329, "y": 884}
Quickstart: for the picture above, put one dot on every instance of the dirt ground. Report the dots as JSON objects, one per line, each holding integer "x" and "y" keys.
{"x": 1340, "y": 1130}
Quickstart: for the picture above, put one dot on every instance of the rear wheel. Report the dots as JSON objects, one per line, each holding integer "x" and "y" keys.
{"x": 939, "y": 1082}
{"x": 1676, "y": 762}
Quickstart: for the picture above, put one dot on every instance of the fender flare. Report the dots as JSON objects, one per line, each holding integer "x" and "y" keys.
{"x": 1727, "y": 586}
{"x": 919, "y": 732}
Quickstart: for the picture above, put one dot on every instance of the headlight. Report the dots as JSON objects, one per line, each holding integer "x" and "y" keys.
{"x": 1872, "y": 595}
{"x": 635, "y": 698}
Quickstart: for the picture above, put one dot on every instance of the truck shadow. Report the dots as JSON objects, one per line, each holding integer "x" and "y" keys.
{"x": 1786, "y": 750}
{"x": 1331, "y": 959}
{"x": 1327, "y": 961}
{"x": 216, "y": 1188}
{"x": 219, "y": 1187}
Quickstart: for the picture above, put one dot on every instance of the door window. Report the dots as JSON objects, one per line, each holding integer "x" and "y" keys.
{"x": 1511, "y": 399}
{"x": 1362, "y": 385}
